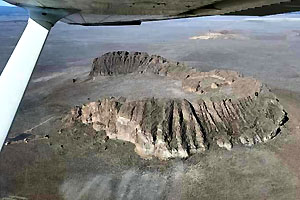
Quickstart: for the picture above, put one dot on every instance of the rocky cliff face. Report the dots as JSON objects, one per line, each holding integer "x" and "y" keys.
{"x": 163, "y": 128}
{"x": 123, "y": 62}
{"x": 219, "y": 83}
{"x": 230, "y": 109}
{"x": 168, "y": 128}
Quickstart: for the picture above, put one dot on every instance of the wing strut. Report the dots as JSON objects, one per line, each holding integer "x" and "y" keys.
{"x": 17, "y": 72}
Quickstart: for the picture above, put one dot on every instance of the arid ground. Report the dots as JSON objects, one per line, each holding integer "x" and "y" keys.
{"x": 66, "y": 164}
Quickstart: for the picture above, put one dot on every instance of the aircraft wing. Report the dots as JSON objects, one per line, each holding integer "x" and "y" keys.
{"x": 133, "y": 12}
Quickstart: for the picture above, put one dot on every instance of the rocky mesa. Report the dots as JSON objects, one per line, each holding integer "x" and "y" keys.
{"x": 230, "y": 109}
{"x": 123, "y": 62}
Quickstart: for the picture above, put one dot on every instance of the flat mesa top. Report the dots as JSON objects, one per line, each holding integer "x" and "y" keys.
{"x": 127, "y": 12}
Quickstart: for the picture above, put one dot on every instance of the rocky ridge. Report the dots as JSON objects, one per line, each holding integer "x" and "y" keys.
{"x": 123, "y": 62}
{"x": 217, "y": 83}
{"x": 231, "y": 109}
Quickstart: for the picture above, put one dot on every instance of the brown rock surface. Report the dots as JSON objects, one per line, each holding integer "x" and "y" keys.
{"x": 164, "y": 128}
{"x": 168, "y": 128}
{"x": 230, "y": 109}
{"x": 123, "y": 62}
{"x": 221, "y": 83}
{"x": 224, "y": 83}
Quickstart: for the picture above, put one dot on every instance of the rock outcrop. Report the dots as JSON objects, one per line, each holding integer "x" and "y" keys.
{"x": 158, "y": 127}
{"x": 223, "y": 35}
{"x": 168, "y": 128}
{"x": 229, "y": 109}
{"x": 220, "y": 83}
{"x": 123, "y": 62}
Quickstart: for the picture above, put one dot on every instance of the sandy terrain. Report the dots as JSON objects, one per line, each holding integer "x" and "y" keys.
{"x": 64, "y": 168}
